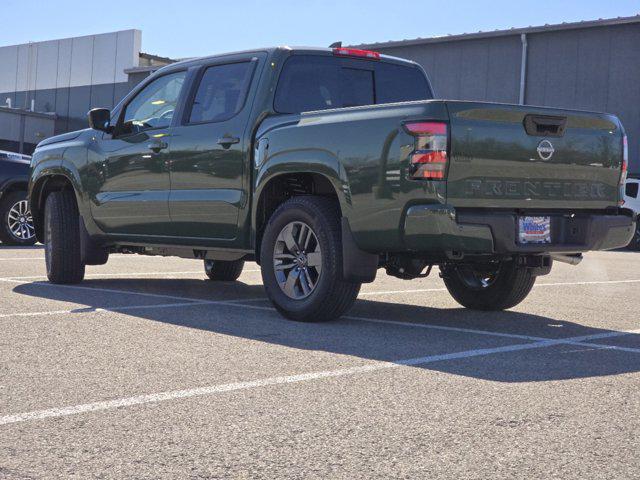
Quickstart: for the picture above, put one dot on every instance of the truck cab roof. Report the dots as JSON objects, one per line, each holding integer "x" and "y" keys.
{"x": 273, "y": 51}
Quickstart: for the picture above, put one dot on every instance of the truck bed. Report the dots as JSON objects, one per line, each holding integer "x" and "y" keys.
{"x": 501, "y": 157}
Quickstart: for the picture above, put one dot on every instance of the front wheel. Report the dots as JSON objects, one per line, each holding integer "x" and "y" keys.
{"x": 62, "y": 247}
{"x": 301, "y": 261}
{"x": 495, "y": 286}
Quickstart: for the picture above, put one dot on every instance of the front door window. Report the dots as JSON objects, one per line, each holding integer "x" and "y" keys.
{"x": 154, "y": 106}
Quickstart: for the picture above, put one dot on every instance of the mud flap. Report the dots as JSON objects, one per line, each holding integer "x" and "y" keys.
{"x": 358, "y": 266}
{"x": 91, "y": 253}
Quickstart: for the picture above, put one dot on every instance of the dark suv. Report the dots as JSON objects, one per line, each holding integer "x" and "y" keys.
{"x": 16, "y": 227}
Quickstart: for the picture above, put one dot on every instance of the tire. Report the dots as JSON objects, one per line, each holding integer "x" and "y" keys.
{"x": 17, "y": 224}
{"x": 634, "y": 244}
{"x": 223, "y": 271}
{"x": 62, "y": 248}
{"x": 504, "y": 287}
{"x": 318, "y": 265}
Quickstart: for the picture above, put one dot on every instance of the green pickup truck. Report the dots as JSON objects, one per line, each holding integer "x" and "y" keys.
{"x": 325, "y": 165}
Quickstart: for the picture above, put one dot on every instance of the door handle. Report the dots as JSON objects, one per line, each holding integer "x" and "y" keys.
{"x": 227, "y": 141}
{"x": 157, "y": 146}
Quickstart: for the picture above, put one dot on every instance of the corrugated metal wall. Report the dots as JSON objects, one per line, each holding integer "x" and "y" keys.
{"x": 66, "y": 76}
{"x": 595, "y": 68}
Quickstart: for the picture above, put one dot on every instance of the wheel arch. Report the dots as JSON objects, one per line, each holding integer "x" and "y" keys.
{"x": 15, "y": 186}
{"x": 281, "y": 186}
{"x": 42, "y": 187}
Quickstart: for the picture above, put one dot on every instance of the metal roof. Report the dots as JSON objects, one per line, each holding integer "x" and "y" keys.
{"x": 502, "y": 33}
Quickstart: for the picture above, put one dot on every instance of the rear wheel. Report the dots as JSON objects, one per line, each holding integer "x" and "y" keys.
{"x": 301, "y": 261}
{"x": 220, "y": 270}
{"x": 62, "y": 248}
{"x": 496, "y": 286}
{"x": 17, "y": 224}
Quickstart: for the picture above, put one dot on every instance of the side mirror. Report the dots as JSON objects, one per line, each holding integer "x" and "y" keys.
{"x": 99, "y": 119}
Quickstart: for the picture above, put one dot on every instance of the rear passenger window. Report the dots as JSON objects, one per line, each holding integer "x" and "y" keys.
{"x": 632, "y": 189}
{"x": 221, "y": 92}
{"x": 357, "y": 87}
{"x": 396, "y": 83}
{"x": 308, "y": 83}
{"x": 320, "y": 82}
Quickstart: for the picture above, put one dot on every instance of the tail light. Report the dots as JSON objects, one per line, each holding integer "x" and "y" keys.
{"x": 429, "y": 158}
{"x": 625, "y": 167}
{"x": 356, "y": 52}
{"x": 625, "y": 160}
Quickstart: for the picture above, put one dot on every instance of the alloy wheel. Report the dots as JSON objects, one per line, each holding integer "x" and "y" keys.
{"x": 20, "y": 221}
{"x": 297, "y": 260}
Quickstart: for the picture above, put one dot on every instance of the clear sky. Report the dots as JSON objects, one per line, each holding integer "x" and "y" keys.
{"x": 186, "y": 28}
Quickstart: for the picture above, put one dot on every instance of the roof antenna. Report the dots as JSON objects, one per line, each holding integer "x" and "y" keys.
{"x": 336, "y": 45}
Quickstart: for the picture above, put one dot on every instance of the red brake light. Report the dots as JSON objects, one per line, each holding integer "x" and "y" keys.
{"x": 356, "y": 52}
{"x": 429, "y": 158}
{"x": 426, "y": 128}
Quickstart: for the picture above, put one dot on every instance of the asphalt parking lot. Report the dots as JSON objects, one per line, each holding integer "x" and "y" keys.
{"x": 147, "y": 370}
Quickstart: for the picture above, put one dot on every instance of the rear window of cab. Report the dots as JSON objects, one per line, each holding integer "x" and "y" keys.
{"x": 318, "y": 82}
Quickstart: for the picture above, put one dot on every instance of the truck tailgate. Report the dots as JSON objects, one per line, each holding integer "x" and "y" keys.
{"x": 521, "y": 157}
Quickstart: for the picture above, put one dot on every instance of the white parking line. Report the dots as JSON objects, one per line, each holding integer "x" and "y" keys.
{"x": 189, "y": 301}
{"x": 114, "y": 275}
{"x": 20, "y": 259}
{"x": 112, "y": 257}
{"x": 603, "y": 346}
{"x": 104, "y": 310}
{"x": 88, "y": 309}
{"x": 445, "y": 329}
{"x": 101, "y": 289}
{"x": 236, "y": 303}
{"x": 118, "y": 275}
{"x": 556, "y": 284}
{"x": 572, "y": 340}
{"x": 229, "y": 387}
{"x": 361, "y": 294}
{"x": 601, "y": 282}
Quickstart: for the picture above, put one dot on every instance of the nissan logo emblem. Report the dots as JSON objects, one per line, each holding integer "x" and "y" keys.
{"x": 545, "y": 150}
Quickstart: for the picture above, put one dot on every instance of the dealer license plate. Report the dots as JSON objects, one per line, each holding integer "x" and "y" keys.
{"x": 534, "y": 229}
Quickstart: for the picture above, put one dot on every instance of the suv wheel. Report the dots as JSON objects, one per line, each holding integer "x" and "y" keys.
{"x": 17, "y": 224}
{"x": 221, "y": 270}
{"x": 488, "y": 287}
{"x": 62, "y": 247}
{"x": 301, "y": 261}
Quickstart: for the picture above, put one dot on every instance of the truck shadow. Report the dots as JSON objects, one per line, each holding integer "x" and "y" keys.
{"x": 360, "y": 335}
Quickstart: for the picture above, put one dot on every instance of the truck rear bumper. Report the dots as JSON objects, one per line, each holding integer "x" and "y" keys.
{"x": 439, "y": 228}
